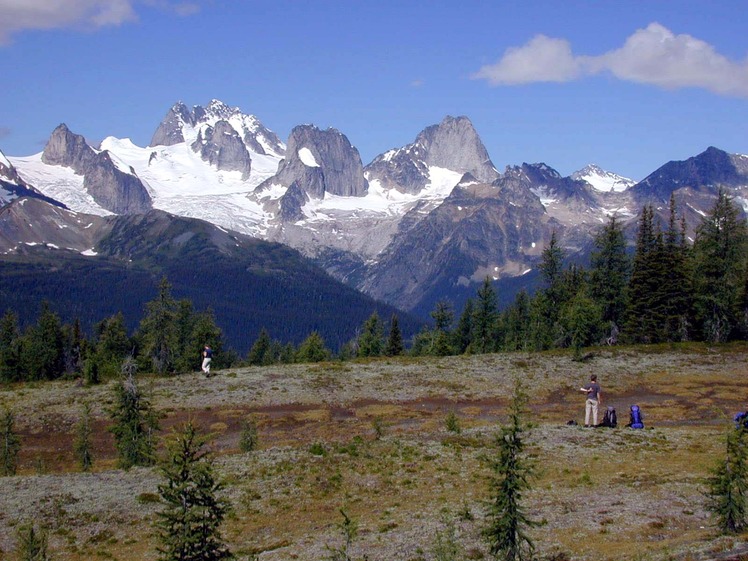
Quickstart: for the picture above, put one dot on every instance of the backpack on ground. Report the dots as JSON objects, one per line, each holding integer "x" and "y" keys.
{"x": 741, "y": 420}
{"x": 636, "y": 418}
{"x": 610, "y": 419}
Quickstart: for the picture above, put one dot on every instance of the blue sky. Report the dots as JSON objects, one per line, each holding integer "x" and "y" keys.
{"x": 628, "y": 85}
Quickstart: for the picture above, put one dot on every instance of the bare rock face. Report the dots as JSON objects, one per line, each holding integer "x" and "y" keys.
{"x": 117, "y": 190}
{"x": 291, "y": 203}
{"x": 222, "y": 147}
{"x": 317, "y": 162}
{"x": 169, "y": 132}
{"x": 453, "y": 144}
{"x": 64, "y": 148}
{"x": 179, "y": 119}
{"x": 480, "y": 230}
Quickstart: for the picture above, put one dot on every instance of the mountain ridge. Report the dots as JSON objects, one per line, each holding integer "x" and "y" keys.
{"x": 316, "y": 196}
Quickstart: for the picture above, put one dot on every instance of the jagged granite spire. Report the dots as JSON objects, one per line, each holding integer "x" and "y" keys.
{"x": 112, "y": 185}
{"x": 222, "y": 147}
{"x": 453, "y": 144}
{"x": 321, "y": 162}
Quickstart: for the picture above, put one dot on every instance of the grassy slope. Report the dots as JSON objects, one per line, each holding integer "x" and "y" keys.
{"x": 601, "y": 494}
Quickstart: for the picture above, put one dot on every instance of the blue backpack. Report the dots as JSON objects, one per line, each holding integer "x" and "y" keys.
{"x": 637, "y": 419}
{"x": 741, "y": 420}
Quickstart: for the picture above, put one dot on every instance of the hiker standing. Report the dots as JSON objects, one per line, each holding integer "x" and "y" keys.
{"x": 207, "y": 358}
{"x": 594, "y": 399}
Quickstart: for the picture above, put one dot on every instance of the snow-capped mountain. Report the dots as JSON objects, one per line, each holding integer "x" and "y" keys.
{"x": 414, "y": 225}
{"x": 601, "y": 180}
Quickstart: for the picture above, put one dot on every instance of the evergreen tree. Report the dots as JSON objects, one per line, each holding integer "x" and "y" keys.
{"x": 134, "y": 424}
{"x": 728, "y": 485}
{"x": 349, "y": 529}
{"x": 204, "y": 331}
{"x": 676, "y": 293}
{"x": 82, "y": 445}
{"x": 516, "y": 321}
{"x": 646, "y": 315}
{"x": 551, "y": 271}
{"x": 248, "y": 438}
{"x": 395, "y": 345}
{"x": 512, "y": 469}
{"x": 42, "y": 351}
{"x": 720, "y": 250}
{"x": 582, "y": 321}
{"x": 10, "y": 348}
{"x": 189, "y": 525}
{"x": 546, "y": 307}
{"x": 73, "y": 348}
{"x": 10, "y": 443}
{"x": 158, "y": 331}
{"x": 609, "y": 275}
{"x": 464, "y": 333}
{"x": 443, "y": 316}
{"x": 112, "y": 346}
{"x": 313, "y": 349}
{"x": 371, "y": 340}
{"x": 260, "y": 352}
{"x": 32, "y": 543}
{"x": 541, "y": 328}
{"x": 485, "y": 317}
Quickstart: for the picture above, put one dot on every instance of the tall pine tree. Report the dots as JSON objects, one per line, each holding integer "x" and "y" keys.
{"x": 719, "y": 250}
{"x": 158, "y": 331}
{"x": 609, "y": 275}
{"x": 485, "y": 319}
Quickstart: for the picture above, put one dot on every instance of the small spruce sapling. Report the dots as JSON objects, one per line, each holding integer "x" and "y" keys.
{"x": 189, "y": 525}
{"x": 82, "y": 445}
{"x": 727, "y": 488}
{"x": 248, "y": 439}
{"x": 10, "y": 443}
{"x": 508, "y": 522}
{"x": 349, "y": 529}
{"x": 32, "y": 543}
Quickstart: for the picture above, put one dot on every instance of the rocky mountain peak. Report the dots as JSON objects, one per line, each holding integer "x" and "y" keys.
{"x": 223, "y": 147}
{"x": 113, "y": 185}
{"x": 65, "y": 148}
{"x": 184, "y": 125}
{"x": 601, "y": 180}
{"x": 452, "y": 144}
{"x": 708, "y": 171}
{"x": 322, "y": 161}
{"x": 169, "y": 132}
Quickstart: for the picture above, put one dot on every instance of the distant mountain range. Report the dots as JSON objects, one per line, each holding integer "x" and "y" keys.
{"x": 419, "y": 223}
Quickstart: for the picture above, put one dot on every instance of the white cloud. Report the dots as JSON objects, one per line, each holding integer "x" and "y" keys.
{"x": 19, "y": 15}
{"x": 653, "y": 56}
{"x": 542, "y": 60}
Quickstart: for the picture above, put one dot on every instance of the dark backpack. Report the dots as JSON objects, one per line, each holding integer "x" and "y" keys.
{"x": 610, "y": 419}
{"x": 741, "y": 420}
{"x": 637, "y": 418}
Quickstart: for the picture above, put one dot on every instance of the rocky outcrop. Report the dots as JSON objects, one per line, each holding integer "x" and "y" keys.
{"x": 453, "y": 144}
{"x": 65, "y": 148}
{"x": 181, "y": 123}
{"x": 222, "y": 147}
{"x": 113, "y": 188}
{"x": 169, "y": 132}
{"x": 292, "y": 202}
{"x": 320, "y": 162}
